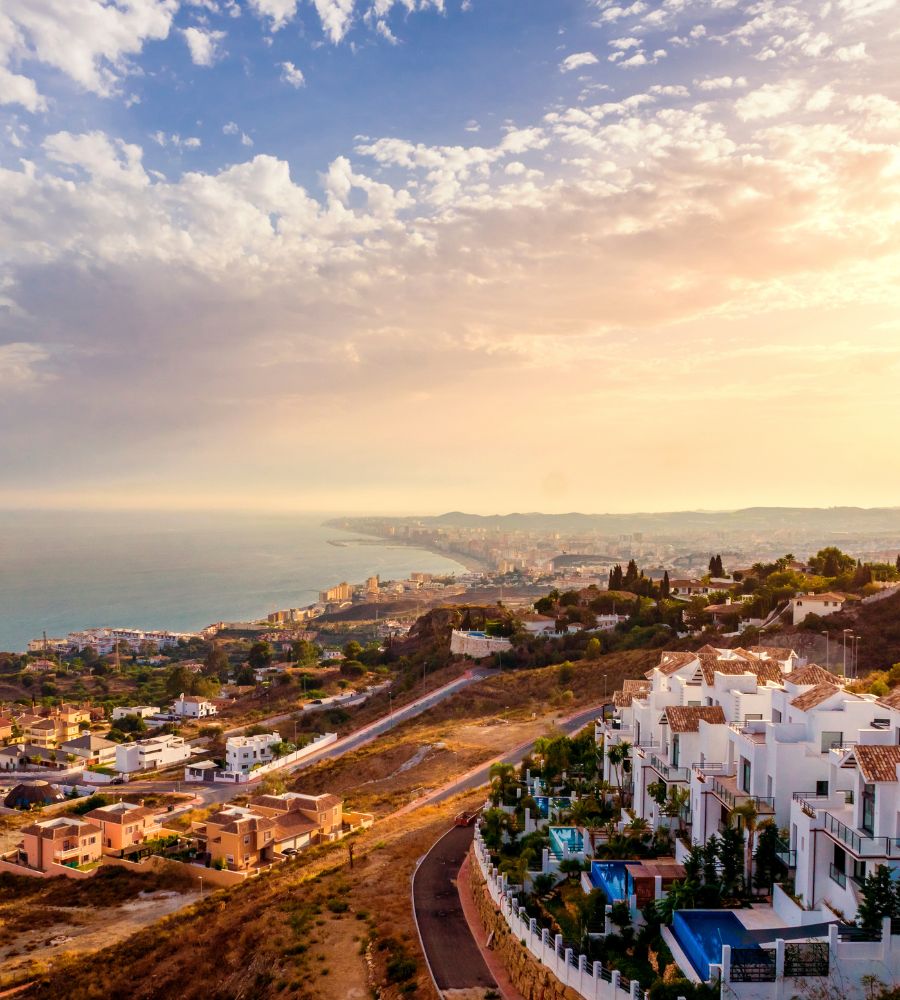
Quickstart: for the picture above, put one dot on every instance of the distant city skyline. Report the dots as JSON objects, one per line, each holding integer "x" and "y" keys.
{"x": 408, "y": 256}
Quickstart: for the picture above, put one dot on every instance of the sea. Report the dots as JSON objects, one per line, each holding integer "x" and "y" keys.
{"x": 63, "y": 571}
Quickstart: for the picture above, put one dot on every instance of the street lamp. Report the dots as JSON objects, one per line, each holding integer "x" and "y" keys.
{"x": 844, "y": 637}
{"x": 827, "y": 666}
{"x": 391, "y": 708}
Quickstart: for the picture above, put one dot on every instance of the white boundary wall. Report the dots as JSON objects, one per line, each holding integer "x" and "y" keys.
{"x": 590, "y": 980}
{"x": 240, "y": 778}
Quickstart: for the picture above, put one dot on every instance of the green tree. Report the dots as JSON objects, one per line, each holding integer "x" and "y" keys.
{"x": 216, "y": 663}
{"x": 593, "y": 649}
{"x": 746, "y": 816}
{"x": 831, "y": 562}
{"x": 260, "y": 655}
{"x": 879, "y": 899}
{"x": 352, "y": 650}
{"x": 305, "y": 652}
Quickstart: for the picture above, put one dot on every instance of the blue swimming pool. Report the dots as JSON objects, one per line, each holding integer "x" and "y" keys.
{"x": 701, "y": 934}
{"x": 612, "y": 878}
{"x": 562, "y": 837}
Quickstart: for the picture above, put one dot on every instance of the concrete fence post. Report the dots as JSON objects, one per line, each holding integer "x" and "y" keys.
{"x": 885, "y": 938}
{"x": 545, "y": 861}
{"x": 567, "y": 959}
{"x": 726, "y": 963}
{"x": 779, "y": 958}
{"x": 614, "y": 981}
{"x": 635, "y": 989}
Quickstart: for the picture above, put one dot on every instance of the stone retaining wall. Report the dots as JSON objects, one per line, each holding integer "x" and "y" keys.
{"x": 533, "y": 980}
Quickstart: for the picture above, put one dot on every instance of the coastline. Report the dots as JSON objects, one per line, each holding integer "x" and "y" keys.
{"x": 470, "y": 563}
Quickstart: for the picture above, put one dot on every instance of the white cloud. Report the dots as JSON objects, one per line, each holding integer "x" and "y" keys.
{"x": 203, "y": 45}
{"x": 576, "y": 61}
{"x": 336, "y": 17}
{"x": 852, "y": 53}
{"x": 232, "y": 128}
{"x": 278, "y": 12}
{"x": 176, "y": 141}
{"x": 769, "y": 101}
{"x": 721, "y": 83}
{"x": 20, "y": 365}
{"x": 90, "y": 42}
{"x": 16, "y": 89}
{"x": 290, "y": 74}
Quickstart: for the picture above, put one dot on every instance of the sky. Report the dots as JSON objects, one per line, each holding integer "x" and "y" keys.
{"x": 420, "y": 255}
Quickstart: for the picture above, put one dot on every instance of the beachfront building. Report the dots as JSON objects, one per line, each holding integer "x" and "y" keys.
{"x": 151, "y": 754}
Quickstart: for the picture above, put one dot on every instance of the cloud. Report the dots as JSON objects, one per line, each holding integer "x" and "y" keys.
{"x": 175, "y": 140}
{"x": 278, "y": 12}
{"x": 232, "y": 128}
{"x": 769, "y": 101}
{"x": 291, "y": 75}
{"x": 89, "y": 42}
{"x": 16, "y": 89}
{"x": 336, "y": 17}
{"x": 20, "y": 365}
{"x": 721, "y": 83}
{"x": 203, "y": 45}
{"x": 576, "y": 61}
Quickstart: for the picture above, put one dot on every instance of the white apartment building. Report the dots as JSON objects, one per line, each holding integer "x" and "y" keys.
{"x": 243, "y": 753}
{"x": 187, "y": 707}
{"x": 151, "y": 754}
{"x": 738, "y": 726}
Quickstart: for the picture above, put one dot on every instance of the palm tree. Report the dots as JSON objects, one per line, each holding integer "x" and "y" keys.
{"x": 502, "y": 776}
{"x": 620, "y": 760}
{"x": 747, "y": 816}
{"x": 679, "y": 799}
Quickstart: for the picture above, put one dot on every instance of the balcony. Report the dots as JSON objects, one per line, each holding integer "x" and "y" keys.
{"x": 725, "y": 788}
{"x": 785, "y": 854}
{"x": 669, "y": 771}
{"x": 838, "y": 876}
{"x": 860, "y": 843}
{"x": 646, "y": 745}
{"x": 754, "y": 731}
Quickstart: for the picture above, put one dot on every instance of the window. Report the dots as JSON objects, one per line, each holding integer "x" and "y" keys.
{"x": 693, "y": 704}
{"x": 858, "y": 872}
{"x": 822, "y": 789}
{"x": 831, "y": 738}
{"x": 676, "y": 750}
{"x": 776, "y": 715}
{"x": 247, "y": 838}
{"x": 868, "y": 809}
{"x": 745, "y": 774}
{"x": 753, "y": 717}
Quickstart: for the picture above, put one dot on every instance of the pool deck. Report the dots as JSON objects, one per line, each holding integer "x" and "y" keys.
{"x": 760, "y": 917}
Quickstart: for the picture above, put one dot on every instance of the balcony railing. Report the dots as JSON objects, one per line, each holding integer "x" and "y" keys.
{"x": 862, "y": 844}
{"x": 752, "y": 965}
{"x": 785, "y": 854}
{"x": 669, "y": 771}
{"x": 806, "y": 959}
{"x": 732, "y": 798}
{"x": 838, "y": 876}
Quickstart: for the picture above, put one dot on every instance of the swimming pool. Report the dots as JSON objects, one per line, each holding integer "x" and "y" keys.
{"x": 701, "y": 934}
{"x": 612, "y": 878}
{"x": 564, "y": 838}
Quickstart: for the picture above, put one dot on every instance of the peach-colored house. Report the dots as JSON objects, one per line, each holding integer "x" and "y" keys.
{"x": 123, "y": 825}
{"x": 67, "y": 841}
{"x": 325, "y": 812}
{"x": 6, "y": 729}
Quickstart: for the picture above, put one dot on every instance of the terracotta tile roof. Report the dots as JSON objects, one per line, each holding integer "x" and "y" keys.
{"x": 764, "y": 671}
{"x": 829, "y": 596}
{"x": 687, "y": 718}
{"x": 114, "y": 814}
{"x": 812, "y": 673}
{"x": 292, "y": 824}
{"x": 891, "y": 700}
{"x": 636, "y": 686}
{"x": 773, "y": 652}
{"x": 670, "y": 663}
{"x": 622, "y": 699}
{"x": 878, "y": 763}
{"x": 814, "y": 696}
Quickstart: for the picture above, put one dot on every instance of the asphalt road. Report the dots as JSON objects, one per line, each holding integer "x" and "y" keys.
{"x": 480, "y": 775}
{"x": 453, "y": 956}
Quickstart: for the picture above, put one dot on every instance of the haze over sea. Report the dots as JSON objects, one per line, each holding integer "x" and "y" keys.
{"x": 61, "y": 571}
